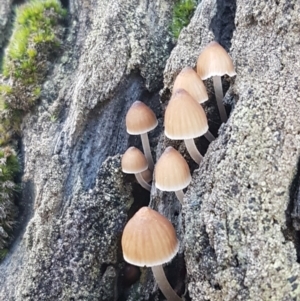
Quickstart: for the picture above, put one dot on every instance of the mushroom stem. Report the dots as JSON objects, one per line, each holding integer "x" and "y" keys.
{"x": 209, "y": 136}
{"x": 219, "y": 97}
{"x": 164, "y": 284}
{"x": 147, "y": 175}
{"x": 193, "y": 151}
{"x": 147, "y": 150}
{"x": 142, "y": 182}
{"x": 180, "y": 195}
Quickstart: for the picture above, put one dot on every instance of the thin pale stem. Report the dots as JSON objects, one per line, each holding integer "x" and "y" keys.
{"x": 164, "y": 284}
{"x": 193, "y": 151}
{"x": 147, "y": 150}
{"x": 219, "y": 97}
{"x": 209, "y": 136}
{"x": 180, "y": 195}
{"x": 142, "y": 182}
{"x": 147, "y": 175}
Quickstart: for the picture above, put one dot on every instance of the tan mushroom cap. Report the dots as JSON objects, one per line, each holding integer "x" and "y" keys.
{"x": 189, "y": 80}
{"x": 149, "y": 239}
{"x": 133, "y": 161}
{"x": 214, "y": 60}
{"x": 184, "y": 117}
{"x": 171, "y": 171}
{"x": 140, "y": 119}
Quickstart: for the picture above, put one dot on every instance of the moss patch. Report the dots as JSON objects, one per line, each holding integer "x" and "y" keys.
{"x": 9, "y": 167}
{"x": 182, "y": 14}
{"x": 35, "y": 41}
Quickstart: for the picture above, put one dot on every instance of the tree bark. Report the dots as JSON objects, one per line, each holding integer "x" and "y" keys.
{"x": 238, "y": 226}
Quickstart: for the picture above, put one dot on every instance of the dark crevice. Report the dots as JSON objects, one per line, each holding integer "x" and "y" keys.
{"x": 292, "y": 231}
{"x": 24, "y": 203}
{"x": 129, "y": 275}
{"x": 176, "y": 273}
{"x": 141, "y": 198}
{"x": 222, "y": 24}
{"x": 18, "y": 2}
{"x": 103, "y": 268}
{"x": 65, "y": 3}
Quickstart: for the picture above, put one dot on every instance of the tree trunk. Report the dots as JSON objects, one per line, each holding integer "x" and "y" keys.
{"x": 238, "y": 226}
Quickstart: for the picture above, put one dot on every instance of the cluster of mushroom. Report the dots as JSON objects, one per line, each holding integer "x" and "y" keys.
{"x": 149, "y": 239}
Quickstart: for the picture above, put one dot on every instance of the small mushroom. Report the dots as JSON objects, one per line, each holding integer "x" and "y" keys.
{"x": 172, "y": 173}
{"x": 140, "y": 120}
{"x": 134, "y": 162}
{"x": 189, "y": 80}
{"x": 185, "y": 119}
{"x": 214, "y": 61}
{"x": 149, "y": 239}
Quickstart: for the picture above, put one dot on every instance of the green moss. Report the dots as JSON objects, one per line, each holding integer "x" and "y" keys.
{"x": 182, "y": 13}
{"x": 35, "y": 41}
{"x": 36, "y": 37}
{"x": 5, "y": 89}
{"x": 3, "y": 253}
{"x": 9, "y": 167}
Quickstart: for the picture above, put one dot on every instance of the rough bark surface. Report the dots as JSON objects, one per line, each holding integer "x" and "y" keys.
{"x": 239, "y": 225}
{"x": 5, "y": 15}
{"x": 239, "y": 242}
{"x": 75, "y": 200}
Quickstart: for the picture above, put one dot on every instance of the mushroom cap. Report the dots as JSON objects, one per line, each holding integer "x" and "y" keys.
{"x": 149, "y": 239}
{"x": 133, "y": 161}
{"x": 214, "y": 60}
{"x": 184, "y": 117}
{"x": 140, "y": 119}
{"x": 189, "y": 80}
{"x": 171, "y": 171}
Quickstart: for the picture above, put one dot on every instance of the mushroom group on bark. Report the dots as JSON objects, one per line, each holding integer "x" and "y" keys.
{"x": 149, "y": 238}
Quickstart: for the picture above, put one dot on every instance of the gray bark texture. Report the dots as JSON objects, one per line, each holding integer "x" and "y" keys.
{"x": 5, "y": 15}
{"x": 239, "y": 225}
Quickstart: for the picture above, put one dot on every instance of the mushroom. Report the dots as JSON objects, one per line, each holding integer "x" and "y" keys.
{"x": 214, "y": 61}
{"x": 189, "y": 80}
{"x": 172, "y": 173}
{"x": 140, "y": 120}
{"x": 149, "y": 239}
{"x": 134, "y": 162}
{"x": 185, "y": 119}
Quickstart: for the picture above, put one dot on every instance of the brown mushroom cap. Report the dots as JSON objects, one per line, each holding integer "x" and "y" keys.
{"x": 149, "y": 239}
{"x": 171, "y": 171}
{"x": 214, "y": 60}
{"x": 184, "y": 117}
{"x": 140, "y": 119}
{"x": 133, "y": 161}
{"x": 189, "y": 80}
